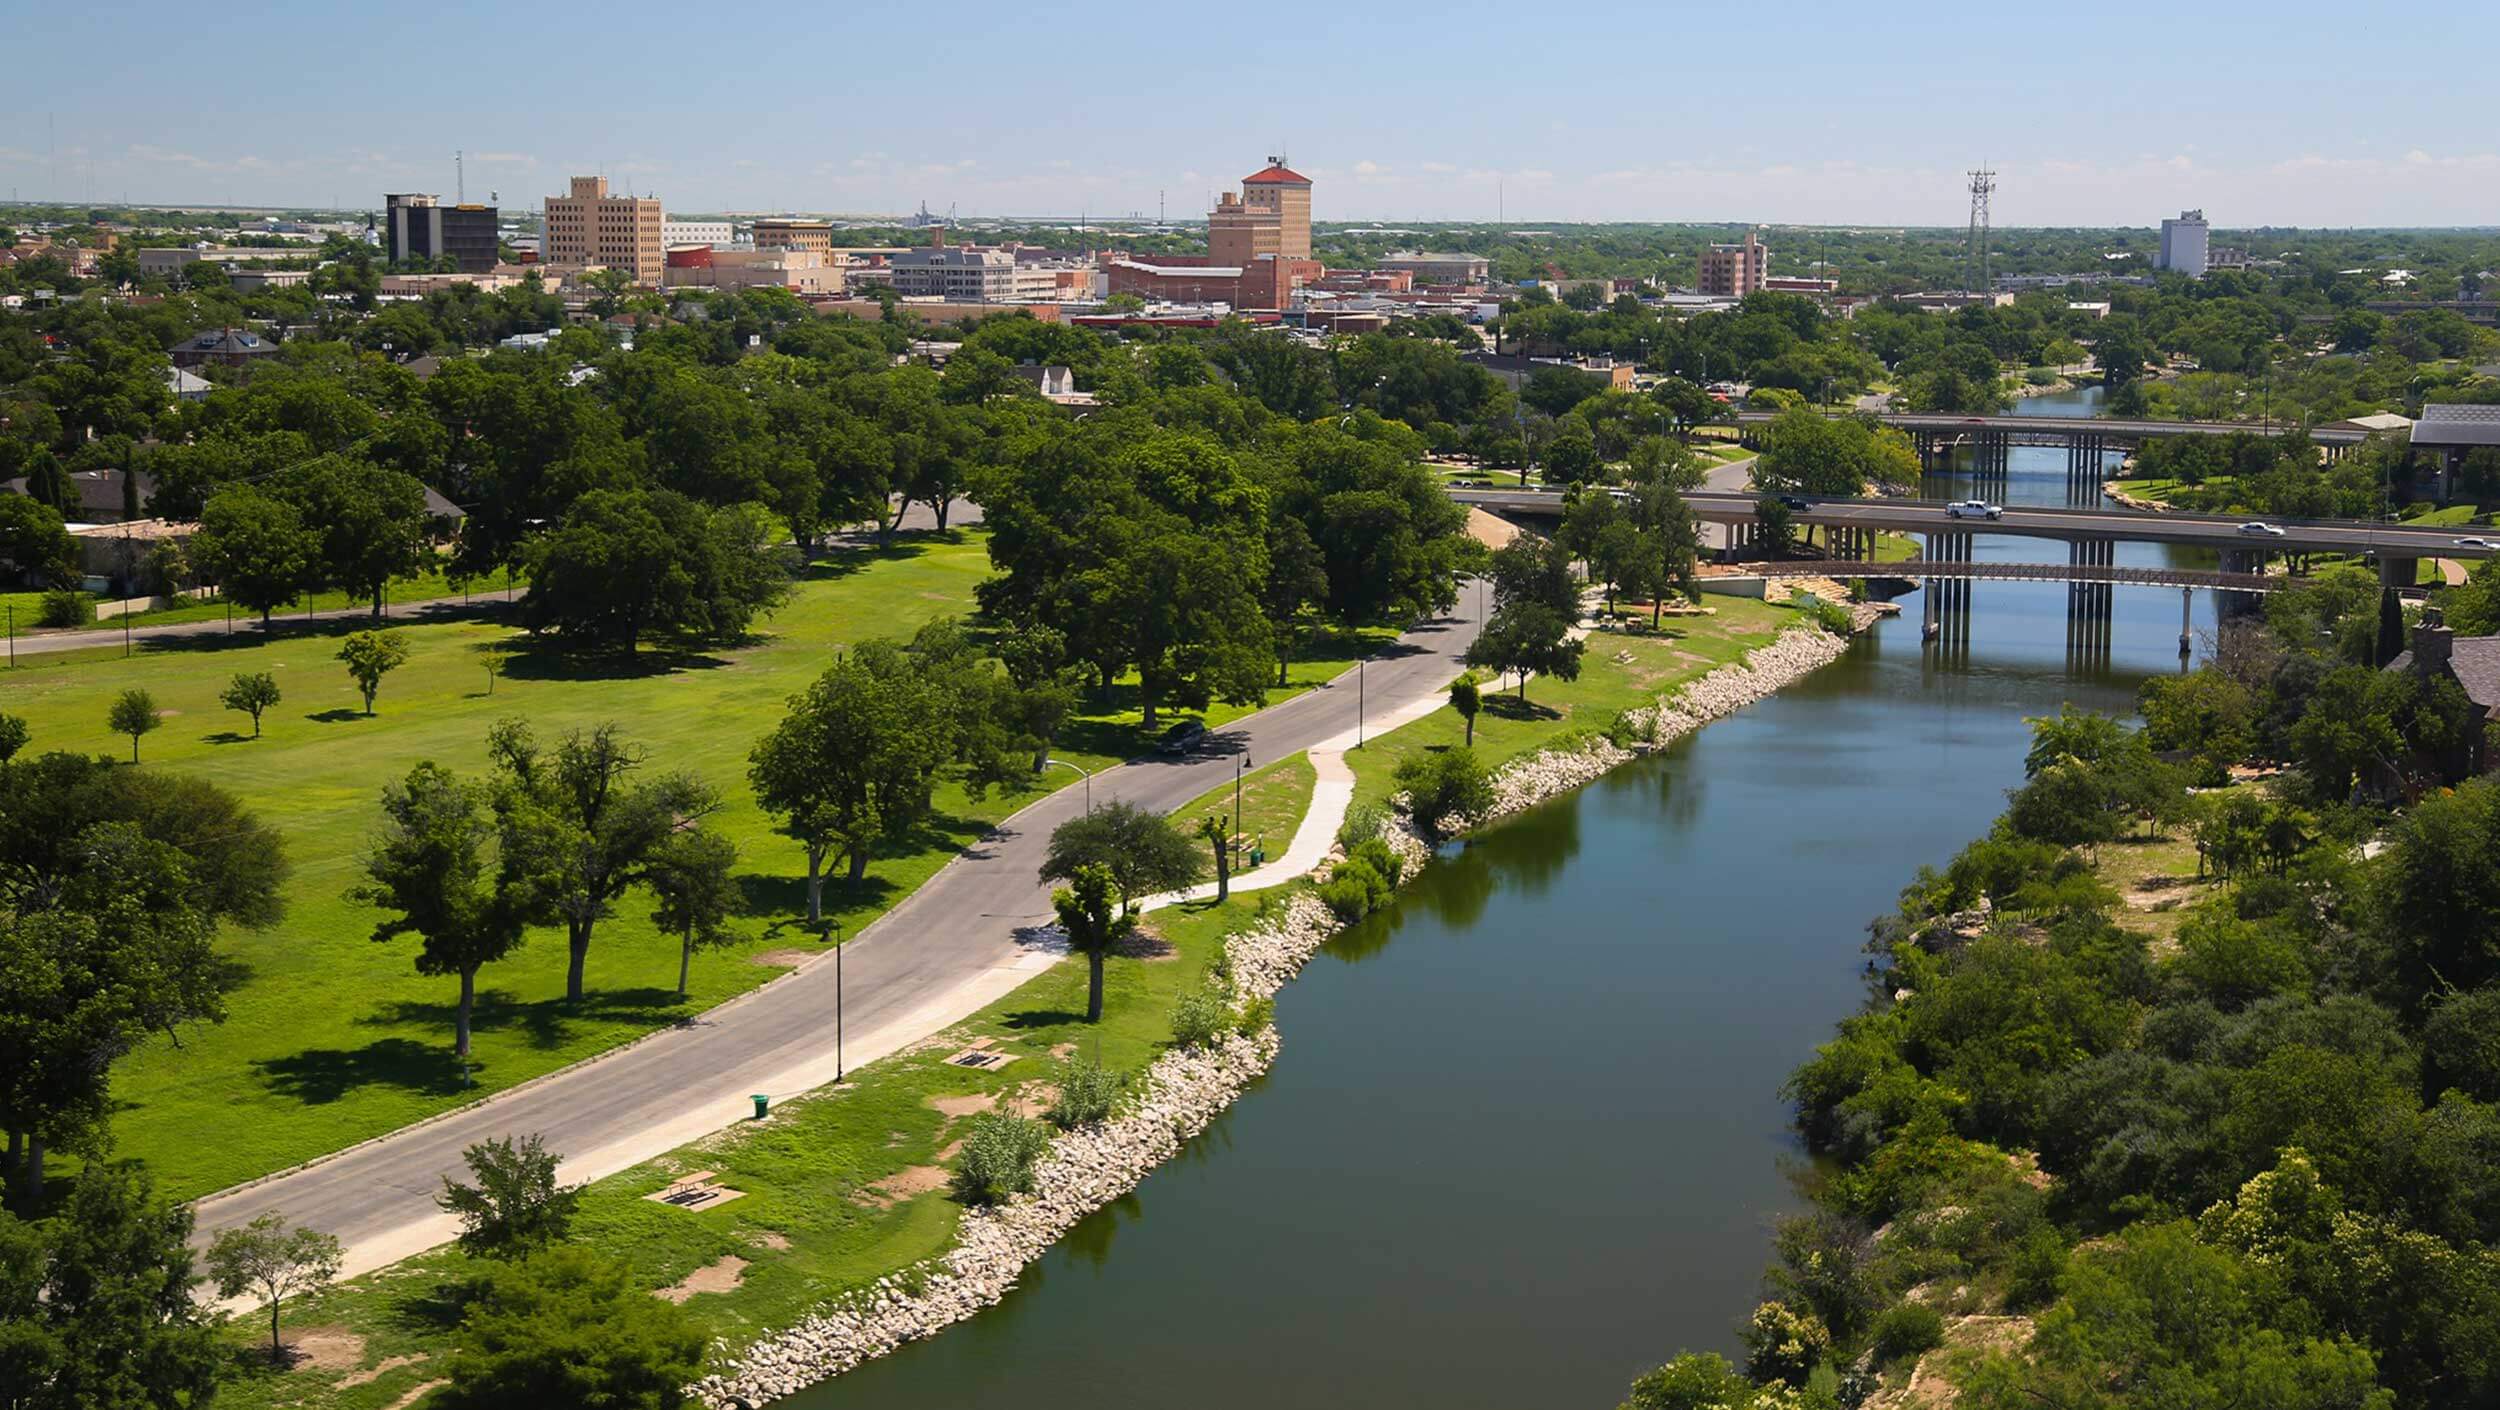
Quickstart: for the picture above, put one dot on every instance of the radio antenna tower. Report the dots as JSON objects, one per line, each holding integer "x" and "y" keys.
{"x": 1983, "y": 184}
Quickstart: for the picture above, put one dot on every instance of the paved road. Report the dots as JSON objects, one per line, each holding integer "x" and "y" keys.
{"x": 2213, "y": 531}
{"x": 964, "y": 939}
{"x": 2116, "y": 428}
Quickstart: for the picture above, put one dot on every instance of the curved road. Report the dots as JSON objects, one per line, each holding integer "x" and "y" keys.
{"x": 964, "y": 939}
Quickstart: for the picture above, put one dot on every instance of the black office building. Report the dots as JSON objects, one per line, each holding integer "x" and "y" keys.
{"x": 420, "y": 227}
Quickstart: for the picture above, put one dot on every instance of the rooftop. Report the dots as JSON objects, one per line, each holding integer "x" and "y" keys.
{"x": 1275, "y": 173}
{"x": 2457, "y": 424}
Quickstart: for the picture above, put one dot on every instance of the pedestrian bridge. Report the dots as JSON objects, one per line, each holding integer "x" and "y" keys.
{"x": 1967, "y": 571}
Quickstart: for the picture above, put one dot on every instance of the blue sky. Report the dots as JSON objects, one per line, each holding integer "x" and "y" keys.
{"x": 2290, "y": 113}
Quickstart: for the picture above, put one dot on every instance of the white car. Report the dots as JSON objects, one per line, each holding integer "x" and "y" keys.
{"x": 2259, "y": 526}
{"x": 2484, "y": 544}
{"x": 1973, "y": 509}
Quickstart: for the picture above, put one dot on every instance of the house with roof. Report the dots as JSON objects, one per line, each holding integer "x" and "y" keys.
{"x": 2473, "y": 662}
{"x": 226, "y": 347}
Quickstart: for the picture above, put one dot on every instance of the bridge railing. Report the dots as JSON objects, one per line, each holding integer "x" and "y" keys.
{"x": 2015, "y": 572}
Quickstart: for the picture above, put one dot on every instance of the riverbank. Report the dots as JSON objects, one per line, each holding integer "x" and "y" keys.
{"x": 1186, "y": 1088}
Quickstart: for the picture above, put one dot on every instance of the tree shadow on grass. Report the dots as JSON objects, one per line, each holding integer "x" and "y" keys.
{"x": 338, "y": 716}
{"x": 319, "y": 1076}
{"x": 225, "y": 736}
{"x": 546, "y": 662}
{"x": 1511, "y": 707}
{"x": 1026, "y": 1020}
{"x": 546, "y": 1024}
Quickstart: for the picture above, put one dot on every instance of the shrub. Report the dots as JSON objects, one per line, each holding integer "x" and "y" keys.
{"x": 1376, "y": 853}
{"x": 1346, "y": 898}
{"x": 1202, "y": 1019}
{"x": 1783, "y": 1344}
{"x": 1907, "y": 1330}
{"x": 999, "y": 1154}
{"x": 1623, "y": 732}
{"x": 516, "y": 1206}
{"x": 1363, "y": 822}
{"x": 1087, "y": 1092}
{"x": 1830, "y": 616}
{"x": 568, "y": 1327}
{"x": 1444, "y": 789}
{"x": 65, "y": 607}
{"x": 1255, "y": 1016}
{"x": 2032, "y": 1274}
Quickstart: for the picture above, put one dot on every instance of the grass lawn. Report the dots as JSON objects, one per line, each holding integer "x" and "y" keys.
{"x": 2156, "y": 880}
{"x": 1897, "y": 548}
{"x": 331, "y": 1038}
{"x": 1686, "y": 647}
{"x": 1273, "y": 800}
{"x": 420, "y": 589}
{"x": 839, "y": 1187}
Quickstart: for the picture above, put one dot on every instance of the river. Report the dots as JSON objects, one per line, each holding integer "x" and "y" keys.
{"x": 1525, "y": 1138}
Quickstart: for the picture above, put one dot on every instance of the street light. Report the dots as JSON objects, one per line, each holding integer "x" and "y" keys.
{"x": 1089, "y": 780}
{"x": 1241, "y": 766}
{"x": 1359, "y": 663}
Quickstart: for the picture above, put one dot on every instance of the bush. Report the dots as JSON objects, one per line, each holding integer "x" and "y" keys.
{"x": 1624, "y": 732}
{"x": 1830, "y": 616}
{"x": 1087, "y": 1093}
{"x": 1377, "y": 855}
{"x": 1255, "y": 1016}
{"x": 1202, "y": 1019}
{"x": 1346, "y": 898}
{"x": 1444, "y": 789}
{"x": 1907, "y": 1330}
{"x": 999, "y": 1154}
{"x": 1363, "y": 822}
{"x": 65, "y": 607}
{"x": 568, "y": 1327}
{"x": 1783, "y": 1344}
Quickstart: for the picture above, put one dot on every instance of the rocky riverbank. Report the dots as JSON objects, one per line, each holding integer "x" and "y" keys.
{"x": 1185, "y": 1089}
{"x": 1086, "y": 1169}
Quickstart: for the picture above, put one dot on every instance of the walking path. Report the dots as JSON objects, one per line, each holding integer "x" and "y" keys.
{"x": 964, "y": 939}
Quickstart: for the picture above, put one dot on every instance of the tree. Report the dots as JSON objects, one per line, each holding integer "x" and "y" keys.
{"x": 575, "y": 832}
{"x": 368, "y": 524}
{"x": 1535, "y": 605}
{"x": 1086, "y": 912}
{"x": 35, "y": 542}
{"x": 255, "y": 547}
{"x": 628, "y": 565}
{"x": 96, "y": 1305}
{"x": 1217, "y": 829}
{"x": 266, "y": 1258}
{"x": 134, "y": 714}
{"x": 429, "y": 866}
{"x": 516, "y": 1207}
{"x": 370, "y": 656}
{"x": 1444, "y": 789}
{"x": 1775, "y": 527}
{"x": 853, "y": 763}
{"x": 690, "y": 881}
{"x": 252, "y": 692}
{"x": 567, "y": 1327}
{"x": 1144, "y": 852}
{"x": 2438, "y": 896}
{"x": 1467, "y": 699}
{"x": 13, "y": 737}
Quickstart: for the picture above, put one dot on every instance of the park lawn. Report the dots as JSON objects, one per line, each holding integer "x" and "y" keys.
{"x": 2157, "y": 879}
{"x": 1684, "y": 649}
{"x": 427, "y": 587}
{"x": 812, "y": 1222}
{"x": 1897, "y": 548}
{"x": 331, "y": 1038}
{"x": 1273, "y": 800}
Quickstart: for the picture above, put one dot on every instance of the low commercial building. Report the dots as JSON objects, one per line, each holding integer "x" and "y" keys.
{"x": 811, "y": 273}
{"x": 1431, "y": 267}
{"x": 252, "y": 280}
{"x": 955, "y": 274}
{"x": 697, "y": 232}
{"x": 2449, "y": 432}
{"x": 936, "y": 310}
{"x": 779, "y": 234}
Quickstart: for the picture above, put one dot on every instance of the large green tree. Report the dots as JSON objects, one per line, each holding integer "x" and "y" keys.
{"x": 430, "y": 866}
{"x": 852, "y": 765}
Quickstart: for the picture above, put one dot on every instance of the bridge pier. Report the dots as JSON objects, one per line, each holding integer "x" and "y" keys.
{"x": 2187, "y": 609}
{"x": 1948, "y": 599}
{"x": 2087, "y": 454}
{"x": 2088, "y": 603}
{"x": 2230, "y": 604}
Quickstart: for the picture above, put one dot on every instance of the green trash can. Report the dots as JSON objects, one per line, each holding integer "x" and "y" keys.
{"x": 761, "y": 1102}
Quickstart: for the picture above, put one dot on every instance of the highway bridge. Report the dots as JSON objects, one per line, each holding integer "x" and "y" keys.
{"x": 2397, "y": 547}
{"x": 2113, "y": 432}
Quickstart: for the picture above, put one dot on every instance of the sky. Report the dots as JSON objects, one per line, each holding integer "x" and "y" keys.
{"x": 2293, "y": 113}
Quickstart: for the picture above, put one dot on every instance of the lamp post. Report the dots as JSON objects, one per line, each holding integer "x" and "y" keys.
{"x": 1359, "y": 663}
{"x": 1241, "y": 766}
{"x": 1089, "y": 780}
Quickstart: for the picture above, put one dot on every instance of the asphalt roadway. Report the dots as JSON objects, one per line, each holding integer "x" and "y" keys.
{"x": 965, "y": 938}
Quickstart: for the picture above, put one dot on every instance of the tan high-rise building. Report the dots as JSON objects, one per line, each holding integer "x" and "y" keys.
{"x": 1271, "y": 216}
{"x": 592, "y": 227}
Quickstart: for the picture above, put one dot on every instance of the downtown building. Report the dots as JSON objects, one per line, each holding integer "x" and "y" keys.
{"x": 1733, "y": 271}
{"x": 1258, "y": 250}
{"x": 418, "y": 227}
{"x": 591, "y": 227}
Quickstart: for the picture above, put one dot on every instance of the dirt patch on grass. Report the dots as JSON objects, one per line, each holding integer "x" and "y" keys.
{"x": 327, "y": 1349}
{"x": 955, "y": 1108}
{"x": 908, "y": 1183}
{"x": 782, "y": 959}
{"x": 718, "y": 1276}
{"x": 1032, "y": 1099}
{"x": 766, "y": 1238}
{"x": 418, "y": 1393}
{"x": 376, "y": 1372}
{"x": 950, "y": 1150}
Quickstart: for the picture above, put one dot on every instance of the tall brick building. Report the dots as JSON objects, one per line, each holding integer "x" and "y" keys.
{"x": 590, "y": 226}
{"x": 1258, "y": 249}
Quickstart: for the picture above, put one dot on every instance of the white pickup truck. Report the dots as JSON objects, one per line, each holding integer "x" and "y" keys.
{"x": 1974, "y": 509}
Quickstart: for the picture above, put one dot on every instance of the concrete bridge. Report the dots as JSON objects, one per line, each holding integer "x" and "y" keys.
{"x": 2111, "y": 433}
{"x": 2398, "y": 548}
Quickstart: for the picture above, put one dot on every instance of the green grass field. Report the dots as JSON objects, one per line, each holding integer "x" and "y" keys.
{"x": 1686, "y": 648}
{"x": 431, "y": 587}
{"x": 331, "y": 1038}
{"x": 1273, "y": 800}
{"x": 839, "y": 1187}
